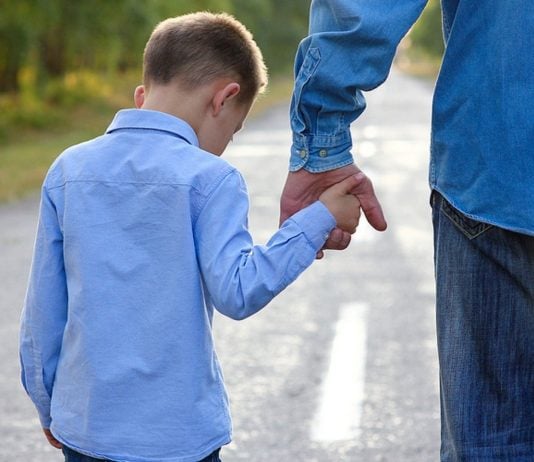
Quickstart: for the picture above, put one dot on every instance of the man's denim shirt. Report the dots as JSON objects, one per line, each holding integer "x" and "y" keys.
{"x": 482, "y": 146}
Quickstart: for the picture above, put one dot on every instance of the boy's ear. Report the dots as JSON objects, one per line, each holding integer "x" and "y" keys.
{"x": 139, "y": 96}
{"x": 224, "y": 95}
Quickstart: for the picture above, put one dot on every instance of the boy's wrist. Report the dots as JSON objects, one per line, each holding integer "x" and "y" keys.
{"x": 316, "y": 222}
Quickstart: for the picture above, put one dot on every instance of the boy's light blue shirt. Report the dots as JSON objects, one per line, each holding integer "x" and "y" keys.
{"x": 482, "y": 147}
{"x": 141, "y": 234}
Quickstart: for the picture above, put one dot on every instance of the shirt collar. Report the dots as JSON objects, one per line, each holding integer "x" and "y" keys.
{"x": 153, "y": 120}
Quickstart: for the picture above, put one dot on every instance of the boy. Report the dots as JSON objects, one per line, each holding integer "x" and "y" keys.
{"x": 142, "y": 232}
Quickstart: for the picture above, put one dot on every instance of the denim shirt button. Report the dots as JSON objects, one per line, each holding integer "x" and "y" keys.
{"x": 323, "y": 153}
{"x": 303, "y": 153}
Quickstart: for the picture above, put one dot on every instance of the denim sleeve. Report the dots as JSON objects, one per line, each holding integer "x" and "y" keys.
{"x": 45, "y": 312}
{"x": 241, "y": 278}
{"x": 350, "y": 49}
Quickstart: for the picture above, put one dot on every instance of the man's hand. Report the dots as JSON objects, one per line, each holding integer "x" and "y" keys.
{"x": 51, "y": 439}
{"x": 302, "y": 188}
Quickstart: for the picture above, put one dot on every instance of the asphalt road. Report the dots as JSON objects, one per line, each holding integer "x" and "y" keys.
{"x": 342, "y": 365}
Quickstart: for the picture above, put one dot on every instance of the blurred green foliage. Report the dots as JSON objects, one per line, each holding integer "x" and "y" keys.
{"x": 66, "y": 65}
{"x": 54, "y": 37}
{"x": 426, "y": 35}
{"x": 56, "y": 54}
{"x": 59, "y": 53}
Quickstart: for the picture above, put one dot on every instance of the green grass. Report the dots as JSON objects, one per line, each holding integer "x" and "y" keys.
{"x": 25, "y": 158}
{"x": 27, "y": 154}
{"x": 23, "y": 165}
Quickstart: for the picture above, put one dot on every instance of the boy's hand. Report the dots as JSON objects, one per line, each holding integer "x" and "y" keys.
{"x": 51, "y": 439}
{"x": 342, "y": 204}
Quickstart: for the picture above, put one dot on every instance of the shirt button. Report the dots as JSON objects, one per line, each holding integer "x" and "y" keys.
{"x": 323, "y": 153}
{"x": 303, "y": 153}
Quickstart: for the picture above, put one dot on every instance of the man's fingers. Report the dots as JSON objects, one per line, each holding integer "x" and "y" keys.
{"x": 363, "y": 190}
{"x": 338, "y": 240}
{"x": 303, "y": 187}
{"x": 361, "y": 186}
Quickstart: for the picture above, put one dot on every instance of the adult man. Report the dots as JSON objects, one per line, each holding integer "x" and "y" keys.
{"x": 481, "y": 175}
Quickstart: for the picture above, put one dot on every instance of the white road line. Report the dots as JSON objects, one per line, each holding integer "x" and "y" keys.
{"x": 340, "y": 408}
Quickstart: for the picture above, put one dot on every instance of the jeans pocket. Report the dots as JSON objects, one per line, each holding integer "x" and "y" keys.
{"x": 469, "y": 227}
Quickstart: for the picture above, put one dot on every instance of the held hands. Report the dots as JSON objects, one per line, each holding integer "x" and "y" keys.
{"x": 302, "y": 188}
{"x": 343, "y": 204}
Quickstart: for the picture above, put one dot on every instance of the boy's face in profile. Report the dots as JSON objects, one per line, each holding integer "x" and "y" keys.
{"x": 229, "y": 121}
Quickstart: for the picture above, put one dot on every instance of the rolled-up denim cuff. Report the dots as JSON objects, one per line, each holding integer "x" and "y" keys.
{"x": 320, "y": 153}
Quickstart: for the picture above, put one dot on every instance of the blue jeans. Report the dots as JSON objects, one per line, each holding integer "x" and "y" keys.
{"x": 485, "y": 328}
{"x": 73, "y": 456}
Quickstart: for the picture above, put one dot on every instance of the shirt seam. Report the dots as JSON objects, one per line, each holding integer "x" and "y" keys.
{"x": 210, "y": 194}
{"x": 151, "y": 183}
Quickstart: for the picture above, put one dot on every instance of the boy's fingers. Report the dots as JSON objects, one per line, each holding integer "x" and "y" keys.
{"x": 51, "y": 439}
{"x": 350, "y": 183}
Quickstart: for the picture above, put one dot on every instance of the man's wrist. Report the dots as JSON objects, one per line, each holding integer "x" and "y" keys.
{"x": 319, "y": 160}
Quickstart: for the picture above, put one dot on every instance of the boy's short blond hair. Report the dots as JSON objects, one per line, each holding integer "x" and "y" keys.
{"x": 197, "y": 48}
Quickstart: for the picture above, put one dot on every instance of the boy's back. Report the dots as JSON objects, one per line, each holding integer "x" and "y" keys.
{"x": 135, "y": 338}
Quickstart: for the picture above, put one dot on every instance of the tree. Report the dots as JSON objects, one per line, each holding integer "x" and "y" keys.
{"x": 15, "y": 38}
{"x": 55, "y": 37}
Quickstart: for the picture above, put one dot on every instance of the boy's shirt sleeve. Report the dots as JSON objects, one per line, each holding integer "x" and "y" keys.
{"x": 45, "y": 311}
{"x": 241, "y": 278}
